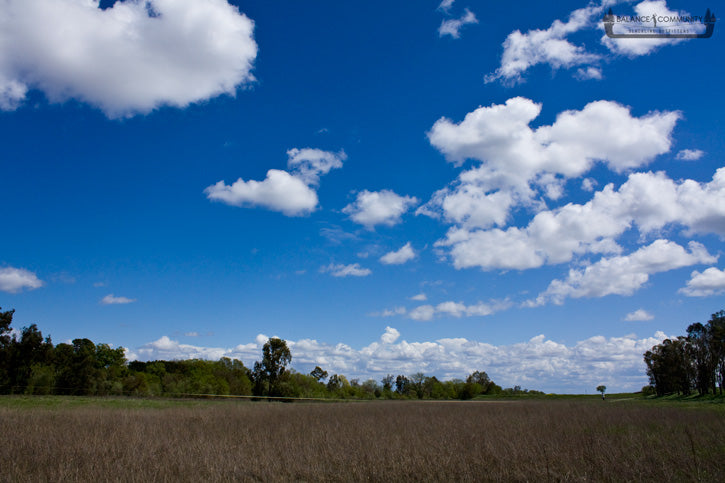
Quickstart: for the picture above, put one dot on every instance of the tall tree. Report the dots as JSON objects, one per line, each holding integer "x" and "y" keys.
{"x": 275, "y": 357}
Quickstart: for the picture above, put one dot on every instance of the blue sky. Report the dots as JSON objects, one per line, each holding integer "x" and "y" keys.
{"x": 392, "y": 188}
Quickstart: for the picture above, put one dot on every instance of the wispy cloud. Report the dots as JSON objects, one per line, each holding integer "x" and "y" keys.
{"x": 111, "y": 299}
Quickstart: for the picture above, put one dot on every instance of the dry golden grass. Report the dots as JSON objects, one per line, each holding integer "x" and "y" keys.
{"x": 379, "y": 441}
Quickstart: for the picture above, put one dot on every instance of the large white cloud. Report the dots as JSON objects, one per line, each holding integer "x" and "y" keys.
{"x": 516, "y": 160}
{"x": 624, "y": 275}
{"x": 537, "y": 363}
{"x": 289, "y": 193}
{"x": 14, "y": 280}
{"x": 649, "y": 201}
{"x": 705, "y": 284}
{"x": 384, "y": 207}
{"x": 128, "y": 59}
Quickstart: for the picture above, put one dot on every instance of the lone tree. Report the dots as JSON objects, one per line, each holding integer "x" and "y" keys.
{"x": 275, "y": 357}
{"x": 602, "y": 389}
{"x": 318, "y": 373}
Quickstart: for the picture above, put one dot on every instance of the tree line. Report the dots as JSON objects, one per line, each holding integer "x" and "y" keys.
{"x": 691, "y": 363}
{"x": 32, "y": 364}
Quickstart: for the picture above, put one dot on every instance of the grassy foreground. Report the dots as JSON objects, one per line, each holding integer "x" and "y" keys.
{"x": 62, "y": 439}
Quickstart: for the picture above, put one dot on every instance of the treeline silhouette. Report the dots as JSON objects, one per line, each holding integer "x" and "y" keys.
{"x": 695, "y": 362}
{"x": 32, "y": 364}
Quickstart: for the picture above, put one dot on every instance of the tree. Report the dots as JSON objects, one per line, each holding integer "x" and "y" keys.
{"x": 275, "y": 357}
{"x": 602, "y": 388}
{"x": 318, "y": 373}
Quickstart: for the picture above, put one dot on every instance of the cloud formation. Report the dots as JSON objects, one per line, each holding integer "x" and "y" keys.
{"x": 128, "y": 59}
{"x": 14, "y": 280}
{"x": 384, "y": 207}
{"x": 290, "y": 193}
{"x": 352, "y": 270}
{"x": 624, "y": 275}
{"x": 638, "y": 315}
{"x": 400, "y": 256}
{"x": 705, "y": 284}
{"x": 453, "y": 26}
{"x": 537, "y": 363}
{"x": 110, "y": 299}
{"x": 689, "y": 154}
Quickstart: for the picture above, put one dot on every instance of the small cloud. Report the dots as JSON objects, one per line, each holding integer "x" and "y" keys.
{"x": 390, "y": 335}
{"x": 422, "y": 313}
{"x": 14, "y": 280}
{"x": 192, "y": 334}
{"x": 589, "y": 73}
{"x": 99, "y": 284}
{"x": 391, "y": 312}
{"x": 110, "y": 299}
{"x": 709, "y": 282}
{"x": 352, "y": 270}
{"x": 453, "y": 26}
{"x": 638, "y": 315}
{"x": 421, "y": 297}
{"x": 690, "y": 154}
{"x": 384, "y": 207}
{"x": 588, "y": 184}
{"x": 398, "y": 257}
{"x": 446, "y": 5}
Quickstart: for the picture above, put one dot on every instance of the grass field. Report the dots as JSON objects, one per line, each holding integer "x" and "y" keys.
{"x": 86, "y": 439}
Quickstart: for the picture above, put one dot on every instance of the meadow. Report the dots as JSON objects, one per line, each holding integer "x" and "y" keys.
{"x": 87, "y": 439}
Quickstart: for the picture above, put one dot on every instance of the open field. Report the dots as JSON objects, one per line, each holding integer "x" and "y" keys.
{"x": 54, "y": 439}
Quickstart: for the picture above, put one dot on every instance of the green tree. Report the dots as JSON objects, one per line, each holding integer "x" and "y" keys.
{"x": 318, "y": 373}
{"x": 602, "y": 388}
{"x": 275, "y": 357}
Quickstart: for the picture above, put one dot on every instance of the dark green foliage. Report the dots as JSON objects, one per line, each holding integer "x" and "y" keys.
{"x": 692, "y": 363}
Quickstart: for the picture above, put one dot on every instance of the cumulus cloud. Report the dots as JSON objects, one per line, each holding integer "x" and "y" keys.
{"x": 290, "y": 193}
{"x": 385, "y": 207}
{"x": 649, "y": 201}
{"x": 516, "y": 160}
{"x": 390, "y": 335}
{"x": 352, "y": 270}
{"x": 638, "y": 315}
{"x": 398, "y": 257}
{"x": 634, "y": 47}
{"x": 623, "y": 275}
{"x": 110, "y": 299}
{"x": 537, "y": 363}
{"x": 453, "y": 26}
{"x": 14, "y": 280}
{"x": 689, "y": 154}
{"x": 522, "y": 51}
{"x": 128, "y": 59}
{"x": 709, "y": 282}
{"x": 422, "y": 313}
{"x": 421, "y": 297}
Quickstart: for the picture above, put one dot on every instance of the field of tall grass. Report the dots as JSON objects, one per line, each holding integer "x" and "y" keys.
{"x": 538, "y": 440}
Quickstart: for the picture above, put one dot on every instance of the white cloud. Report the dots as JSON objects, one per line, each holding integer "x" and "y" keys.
{"x": 649, "y": 201}
{"x": 404, "y": 254}
{"x": 638, "y": 315}
{"x": 537, "y": 363}
{"x": 14, "y": 280}
{"x": 124, "y": 60}
{"x": 390, "y": 335}
{"x": 586, "y": 73}
{"x": 524, "y": 50}
{"x": 279, "y": 191}
{"x": 453, "y": 26}
{"x": 310, "y": 164}
{"x": 515, "y": 160}
{"x": 634, "y": 47}
{"x": 288, "y": 193}
{"x": 421, "y": 297}
{"x": 690, "y": 154}
{"x": 446, "y": 5}
{"x": 352, "y": 270}
{"x": 110, "y": 299}
{"x": 623, "y": 275}
{"x": 422, "y": 313}
{"x": 384, "y": 207}
{"x": 391, "y": 312}
{"x": 709, "y": 282}
{"x": 458, "y": 309}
